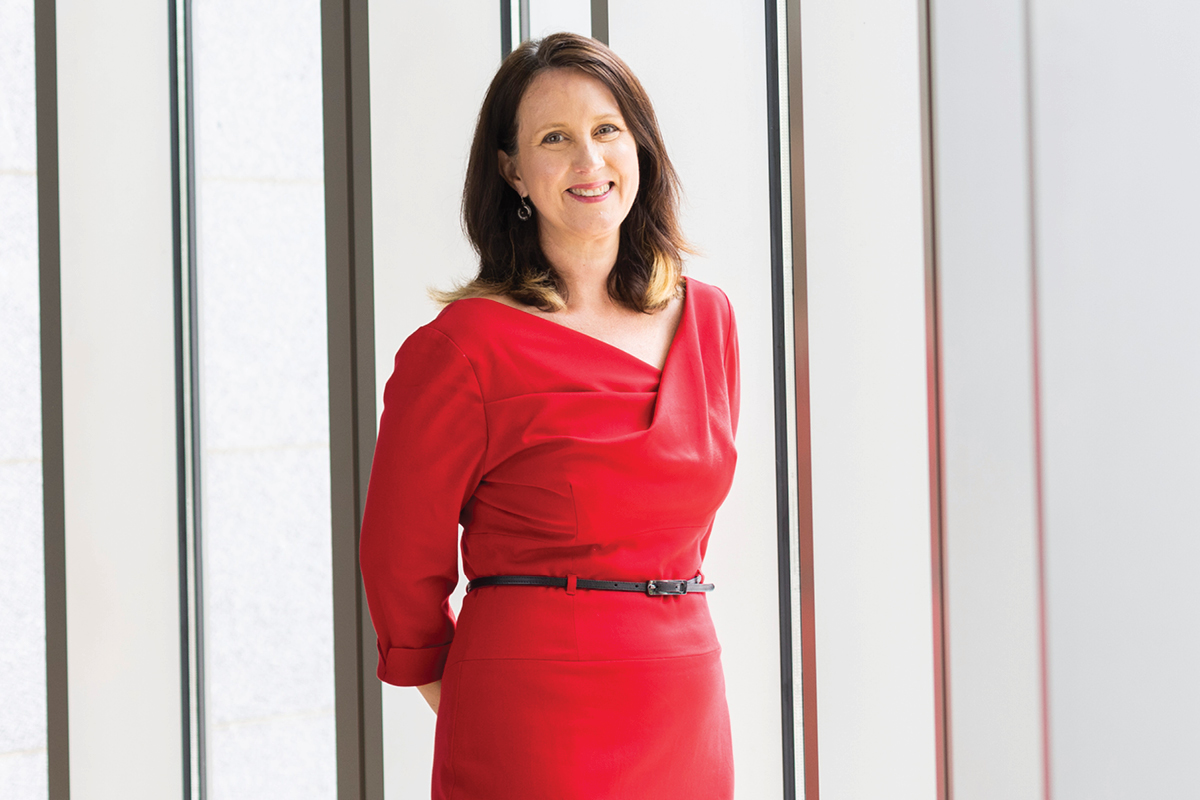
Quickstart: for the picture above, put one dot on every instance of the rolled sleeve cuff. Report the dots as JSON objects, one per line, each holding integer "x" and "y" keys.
{"x": 406, "y": 666}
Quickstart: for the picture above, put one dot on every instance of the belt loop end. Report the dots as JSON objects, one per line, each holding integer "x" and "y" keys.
{"x": 571, "y": 579}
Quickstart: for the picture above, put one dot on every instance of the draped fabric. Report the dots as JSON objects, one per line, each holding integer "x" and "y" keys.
{"x": 559, "y": 454}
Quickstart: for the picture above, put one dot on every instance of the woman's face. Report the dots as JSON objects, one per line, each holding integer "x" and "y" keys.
{"x": 576, "y": 159}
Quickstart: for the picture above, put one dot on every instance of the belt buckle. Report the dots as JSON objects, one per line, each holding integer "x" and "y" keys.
{"x": 664, "y": 587}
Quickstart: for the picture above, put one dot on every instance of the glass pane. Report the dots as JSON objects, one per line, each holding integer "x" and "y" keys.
{"x": 551, "y": 16}
{"x": 22, "y": 595}
{"x": 267, "y": 609}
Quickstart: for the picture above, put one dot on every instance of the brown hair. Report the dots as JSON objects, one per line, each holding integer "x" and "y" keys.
{"x": 649, "y": 264}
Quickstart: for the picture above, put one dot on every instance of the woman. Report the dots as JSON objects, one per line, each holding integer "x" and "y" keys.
{"x": 574, "y": 408}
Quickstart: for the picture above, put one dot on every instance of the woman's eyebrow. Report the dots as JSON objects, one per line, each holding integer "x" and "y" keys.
{"x": 614, "y": 114}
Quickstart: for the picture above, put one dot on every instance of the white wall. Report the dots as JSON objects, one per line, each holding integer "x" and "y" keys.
{"x": 1067, "y": 165}
{"x": 992, "y": 553}
{"x": 119, "y": 401}
{"x": 1116, "y": 122}
{"x": 870, "y": 459}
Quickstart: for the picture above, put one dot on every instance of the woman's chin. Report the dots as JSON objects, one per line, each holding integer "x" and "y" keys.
{"x": 584, "y": 236}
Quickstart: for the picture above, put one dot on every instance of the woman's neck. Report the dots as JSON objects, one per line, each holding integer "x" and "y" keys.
{"x": 584, "y": 270}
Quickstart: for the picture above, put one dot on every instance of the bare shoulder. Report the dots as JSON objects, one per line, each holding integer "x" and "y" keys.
{"x": 672, "y": 312}
{"x": 506, "y": 300}
{"x": 503, "y": 298}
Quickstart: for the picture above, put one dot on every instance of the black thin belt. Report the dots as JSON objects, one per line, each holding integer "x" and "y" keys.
{"x": 659, "y": 586}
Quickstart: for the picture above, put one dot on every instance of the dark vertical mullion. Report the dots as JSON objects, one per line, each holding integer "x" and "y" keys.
{"x": 505, "y": 28}
{"x": 782, "y": 445}
{"x": 187, "y": 388}
{"x": 363, "y": 282}
{"x": 53, "y": 493}
{"x": 600, "y": 20}
{"x": 935, "y": 415}
{"x": 197, "y": 474}
{"x": 350, "y": 299}
{"x": 804, "y": 524}
{"x": 181, "y": 402}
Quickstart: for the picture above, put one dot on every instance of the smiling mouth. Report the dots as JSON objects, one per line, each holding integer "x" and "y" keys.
{"x": 595, "y": 191}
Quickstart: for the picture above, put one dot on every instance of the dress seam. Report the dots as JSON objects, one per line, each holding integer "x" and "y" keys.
{"x": 716, "y": 649}
{"x": 510, "y": 535}
{"x": 574, "y": 605}
{"x": 582, "y": 391}
{"x": 487, "y": 436}
{"x": 450, "y": 744}
{"x": 729, "y": 316}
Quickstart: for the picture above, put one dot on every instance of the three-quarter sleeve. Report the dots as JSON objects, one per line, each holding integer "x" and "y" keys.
{"x": 428, "y": 461}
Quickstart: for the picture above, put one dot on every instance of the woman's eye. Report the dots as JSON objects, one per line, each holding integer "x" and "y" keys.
{"x": 606, "y": 130}
{"x": 552, "y": 138}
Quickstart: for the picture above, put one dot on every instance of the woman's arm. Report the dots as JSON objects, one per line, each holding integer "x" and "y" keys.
{"x": 428, "y": 460}
{"x": 432, "y": 692}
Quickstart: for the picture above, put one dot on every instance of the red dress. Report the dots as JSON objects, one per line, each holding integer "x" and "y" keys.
{"x": 560, "y": 455}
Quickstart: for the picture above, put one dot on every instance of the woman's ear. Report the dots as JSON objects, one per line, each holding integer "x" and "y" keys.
{"x": 508, "y": 171}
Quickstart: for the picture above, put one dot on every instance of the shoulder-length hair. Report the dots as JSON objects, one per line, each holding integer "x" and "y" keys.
{"x": 649, "y": 267}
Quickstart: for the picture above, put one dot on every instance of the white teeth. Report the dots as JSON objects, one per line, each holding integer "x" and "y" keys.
{"x": 599, "y": 190}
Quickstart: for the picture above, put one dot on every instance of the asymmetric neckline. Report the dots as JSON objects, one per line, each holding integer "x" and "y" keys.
{"x": 683, "y": 318}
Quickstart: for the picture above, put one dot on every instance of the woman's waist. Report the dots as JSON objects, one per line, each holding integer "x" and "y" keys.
{"x": 542, "y": 622}
{"x": 664, "y": 553}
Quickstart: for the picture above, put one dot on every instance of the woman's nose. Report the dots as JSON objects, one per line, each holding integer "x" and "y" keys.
{"x": 588, "y": 156}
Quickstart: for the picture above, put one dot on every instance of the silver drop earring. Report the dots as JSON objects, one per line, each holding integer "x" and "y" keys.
{"x": 524, "y": 212}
